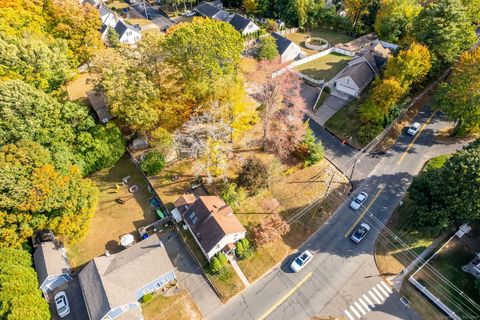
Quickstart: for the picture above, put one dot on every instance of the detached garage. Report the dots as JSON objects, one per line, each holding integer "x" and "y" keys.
{"x": 51, "y": 265}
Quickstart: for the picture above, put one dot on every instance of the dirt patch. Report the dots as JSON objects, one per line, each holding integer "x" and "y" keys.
{"x": 77, "y": 88}
{"x": 111, "y": 219}
{"x": 164, "y": 307}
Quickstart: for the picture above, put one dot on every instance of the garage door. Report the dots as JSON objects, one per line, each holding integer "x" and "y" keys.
{"x": 347, "y": 90}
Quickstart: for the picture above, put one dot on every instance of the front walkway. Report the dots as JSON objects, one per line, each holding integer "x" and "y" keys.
{"x": 237, "y": 269}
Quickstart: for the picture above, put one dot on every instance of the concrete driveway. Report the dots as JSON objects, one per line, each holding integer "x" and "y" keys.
{"x": 189, "y": 273}
{"x": 78, "y": 310}
{"x": 331, "y": 106}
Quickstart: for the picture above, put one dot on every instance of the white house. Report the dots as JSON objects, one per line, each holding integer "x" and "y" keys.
{"x": 243, "y": 25}
{"x": 108, "y": 17}
{"x": 287, "y": 49}
{"x": 211, "y": 222}
{"x": 127, "y": 33}
{"x": 360, "y": 72}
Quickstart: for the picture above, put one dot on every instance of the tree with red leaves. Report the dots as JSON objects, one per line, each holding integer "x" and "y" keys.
{"x": 282, "y": 115}
{"x": 271, "y": 229}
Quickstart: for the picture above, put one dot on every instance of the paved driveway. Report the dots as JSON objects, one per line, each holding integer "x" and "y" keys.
{"x": 331, "y": 105}
{"x": 78, "y": 310}
{"x": 189, "y": 273}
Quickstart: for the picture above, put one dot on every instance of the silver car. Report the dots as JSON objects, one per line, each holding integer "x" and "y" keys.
{"x": 61, "y": 302}
{"x": 359, "y": 200}
{"x": 360, "y": 233}
{"x": 413, "y": 129}
{"x": 301, "y": 261}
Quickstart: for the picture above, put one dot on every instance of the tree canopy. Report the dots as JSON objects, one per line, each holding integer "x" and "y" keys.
{"x": 394, "y": 19}
{"x": 449, "y": 196}
{"x": 459, "y": 97}
{"x": 35, "y": 195}
{"x": 20, "y": 298}
{"x": 267, "y": 48}
{"x": 446, "y": 29}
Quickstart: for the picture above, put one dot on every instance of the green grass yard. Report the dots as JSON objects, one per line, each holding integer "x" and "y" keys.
{"x": 324, "y": 68}
{"x": 332, "y": 37}
{"x": 345, "y": 124}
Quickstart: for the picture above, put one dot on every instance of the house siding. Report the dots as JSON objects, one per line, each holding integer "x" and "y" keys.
{"x": 347, "y": 85}
{"x": 155, "y": 285}
{"x": 130, "y": 39}
{"x": 291, "y": 53}
{"x": 229, "y": 238}
{"x": 250, "y": 28}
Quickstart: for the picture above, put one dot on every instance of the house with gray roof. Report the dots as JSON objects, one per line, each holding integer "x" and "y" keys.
{"x": 127, "y": 33}
{"x": 51, "y": 264}
{"x": 211, "y": 10}
{"x": 243, "y": 25}
{"x": 287, "y": 49}
{"x": 113, "y": 285}
{"x": 359, "y": 72}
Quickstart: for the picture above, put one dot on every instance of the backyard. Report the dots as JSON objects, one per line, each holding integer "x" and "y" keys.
{"x": 111, "y": 219}
{"x": 332, "y": 37}
{"x": 324, "y": 68}
{"x": 164, "y": 307}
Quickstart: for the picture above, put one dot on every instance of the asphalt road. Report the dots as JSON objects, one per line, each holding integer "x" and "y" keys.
{"x": 342, "y": 279}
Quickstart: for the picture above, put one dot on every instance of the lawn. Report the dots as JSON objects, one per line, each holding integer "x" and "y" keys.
{"x": 345, "y": 124}
{"x": 324, "y": 68}
{"x": 140, "y": 22}
{"x": 449, "y": 262}
{"x": 112, "y": 220}
{"x": 117, "y": 5}
{"x": 178, "y": 306}
{"x": 422, "y": 306}
{"x": 287, "y": 197}
{"x": 332, "y": 37}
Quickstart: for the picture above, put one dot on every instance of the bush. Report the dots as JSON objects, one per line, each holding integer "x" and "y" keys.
{"x": 243, "y": 250}
{"x": 233, "y": 195}
{"x": 146, "y": 298}
{"x": 254, "y": 175}
{"x": 217, "y": 263}
{"x": 153, "y": 163}
{"x": 267, "y": 48}
{"x": 161, "y": 140}
{"x": 309, "y": 150}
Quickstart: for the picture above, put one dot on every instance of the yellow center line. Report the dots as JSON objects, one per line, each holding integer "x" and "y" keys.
{"x": 285, "y": 297}
{"x": 364, "y": 212}
{"x": 415, "y": 138}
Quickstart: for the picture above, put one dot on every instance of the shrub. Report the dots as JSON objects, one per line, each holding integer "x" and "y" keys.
{"x": 153, "y": 163}
{"x": 243, "y": 250}
{"x": 146, "y": 298}
{"x": 217, "y": 263}
{"x": 254, "y": 175}
{"x": 233, "y": 195}
{"x": 267, "y": 48}
{"x": 309, "y": 150}
{"x": 271, "y": 229}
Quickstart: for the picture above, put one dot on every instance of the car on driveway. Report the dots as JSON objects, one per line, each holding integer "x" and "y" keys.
{"x": 360, "y": 233}
{"x": 358, "y": 200}
{"x": 301, "y": 261}
{"x": 413, "y": 129}
{"x": 61, "y": 303}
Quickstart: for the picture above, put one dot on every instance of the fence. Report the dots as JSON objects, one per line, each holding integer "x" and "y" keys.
{"x": 434, "y": 299}
{"x": 288, "y": 31}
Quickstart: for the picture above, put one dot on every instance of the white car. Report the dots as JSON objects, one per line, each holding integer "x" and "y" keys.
{"x": 360, "y": 233}
{"x": 413, "y": 129}
{"x": 359, "y": 200}
{"x": 61, "y": 302}
{"x": 301, "y": 261}
{"x": 189, "y": 14}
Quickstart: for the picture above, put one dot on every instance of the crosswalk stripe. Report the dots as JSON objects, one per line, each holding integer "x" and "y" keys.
{"x": 378, "y": 293}
{"x": 355, "y": 311}
{"x": 364, "y": 304}
{"x": 349, "y": 315}
{"x": 382, "y": 290}
{"x": 386, "y": 287}
{"x": 359, "y": 307}
{"x": 370, "y": 303}
{"x": 374, "y": 297}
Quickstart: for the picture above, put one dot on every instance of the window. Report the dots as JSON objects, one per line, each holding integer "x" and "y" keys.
{"x": 348, "y": 80}
{"x": 193, "y": 218}
{"x": 146, "y": 291}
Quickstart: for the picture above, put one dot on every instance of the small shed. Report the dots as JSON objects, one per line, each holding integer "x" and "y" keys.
{"x": 99, "y": 105}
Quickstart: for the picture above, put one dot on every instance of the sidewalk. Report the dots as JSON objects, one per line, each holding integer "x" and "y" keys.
{"x": 237, "y": 269}
{"x": 397, "y": 280}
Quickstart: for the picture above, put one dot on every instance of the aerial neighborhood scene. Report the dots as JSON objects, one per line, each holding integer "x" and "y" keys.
{"x": 239, "y": 159}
